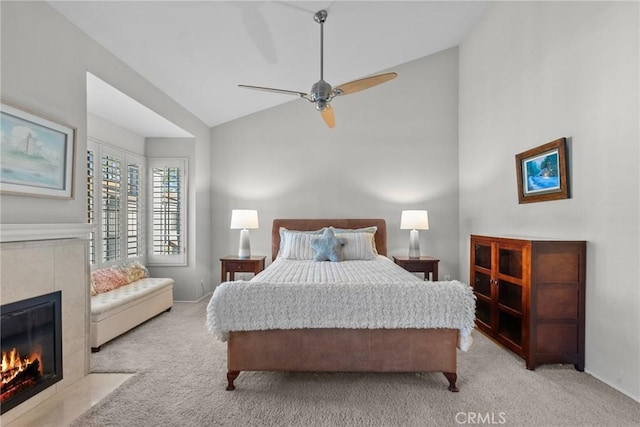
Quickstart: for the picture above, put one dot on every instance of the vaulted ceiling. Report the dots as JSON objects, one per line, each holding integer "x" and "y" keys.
{"x": 197, "y": 52}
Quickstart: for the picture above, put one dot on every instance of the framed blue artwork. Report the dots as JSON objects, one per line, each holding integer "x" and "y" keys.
{"x": 36, "y": 155}
{"x": 542, "y": 173}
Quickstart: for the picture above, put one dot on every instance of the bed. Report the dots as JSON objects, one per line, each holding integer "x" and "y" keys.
{"x": 350, "y": 316}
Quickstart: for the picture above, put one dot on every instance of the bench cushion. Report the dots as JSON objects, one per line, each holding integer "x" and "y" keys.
{"x": 109, "y": 303}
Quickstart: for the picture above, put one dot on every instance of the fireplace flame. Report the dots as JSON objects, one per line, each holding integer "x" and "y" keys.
{"x": 13, "y": 364}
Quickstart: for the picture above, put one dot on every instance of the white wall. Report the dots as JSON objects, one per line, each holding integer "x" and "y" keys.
{"x": 193, "y": 281}
{"x": 103, "y": 130}
{"x": 45, "y": 76}
{"x": 43, "y": 69}
{"x": 394, "y": 147}
{"x": 532, "y": 72}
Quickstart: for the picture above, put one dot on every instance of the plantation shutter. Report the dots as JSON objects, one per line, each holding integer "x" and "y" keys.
{"x": 135, "y": 214}
{"x": 167, "y": 206}
{"x": 116, "y": 200}
{"x": 111, "y": 207}
{"x": 91, "y": 203}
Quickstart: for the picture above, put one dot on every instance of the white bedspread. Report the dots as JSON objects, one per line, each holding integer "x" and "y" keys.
{"x": 379, "y": 270}
{"x": 351, "y": 294}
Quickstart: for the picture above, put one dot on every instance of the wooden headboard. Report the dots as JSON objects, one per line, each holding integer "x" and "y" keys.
{"x": 316, "y": 224}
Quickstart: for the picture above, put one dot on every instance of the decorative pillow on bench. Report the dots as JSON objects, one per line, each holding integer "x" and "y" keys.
{"x": 108, "y": 279}
{"x": 134, "y": 271}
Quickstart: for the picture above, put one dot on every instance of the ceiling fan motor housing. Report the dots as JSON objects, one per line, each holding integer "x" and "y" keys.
{"x": 320, "y": 93}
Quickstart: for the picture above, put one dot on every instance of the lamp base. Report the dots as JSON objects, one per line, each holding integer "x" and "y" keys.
{"x": 244, "y": 250}
{"x": 414, "y": 244}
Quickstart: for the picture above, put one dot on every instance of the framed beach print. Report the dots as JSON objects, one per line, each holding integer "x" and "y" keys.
{"x": 36, "y": 155}
{"x": 542, "y": 173}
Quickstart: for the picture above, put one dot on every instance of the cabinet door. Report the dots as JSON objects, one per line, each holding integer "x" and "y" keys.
{"x": 481, "y": 278}
{"x": 509, "y": 275}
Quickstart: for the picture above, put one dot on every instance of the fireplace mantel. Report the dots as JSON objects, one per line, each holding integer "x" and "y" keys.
{"x": 39, "y": 259}
{"x": 26, "y": 232}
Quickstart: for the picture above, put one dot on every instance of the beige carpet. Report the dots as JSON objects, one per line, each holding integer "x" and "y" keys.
{"x": 181, "y": 381}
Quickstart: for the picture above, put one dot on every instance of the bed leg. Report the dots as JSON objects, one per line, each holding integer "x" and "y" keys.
{"x": 452, "y": 377}
{"x": 231, "y": 377}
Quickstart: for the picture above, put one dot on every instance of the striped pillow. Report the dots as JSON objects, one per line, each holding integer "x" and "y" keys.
{"x": 358, "y": 246}
{"x": 368, "y": 230}
{"x": 297, "y": 244}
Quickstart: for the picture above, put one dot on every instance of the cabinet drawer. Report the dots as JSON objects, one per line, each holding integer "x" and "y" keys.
{"x": 417, "y": 266}
{"x": 240, "y": 266}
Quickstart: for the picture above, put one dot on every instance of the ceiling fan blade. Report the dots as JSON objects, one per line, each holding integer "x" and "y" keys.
{"x": 365, "y": 83}
{"x": 258, "y": 30}
{"x": 270, "y": 89}
{"x": 328, "y": 116}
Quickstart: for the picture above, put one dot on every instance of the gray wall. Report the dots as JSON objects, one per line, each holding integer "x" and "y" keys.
{"x": 44, "y": 63}
{"x": 394, "y": 147}
{"x": 532, "y": 72}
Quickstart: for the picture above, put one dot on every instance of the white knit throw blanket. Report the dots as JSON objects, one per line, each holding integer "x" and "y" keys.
{"x": 252, "y": 306}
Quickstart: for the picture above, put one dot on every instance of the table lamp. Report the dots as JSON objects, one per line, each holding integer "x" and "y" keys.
{"x": 414, "y": 220}
{"x": 244, "y": 219}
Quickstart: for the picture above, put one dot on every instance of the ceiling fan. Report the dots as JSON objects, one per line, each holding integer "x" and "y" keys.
{"x": 321, "y": 92}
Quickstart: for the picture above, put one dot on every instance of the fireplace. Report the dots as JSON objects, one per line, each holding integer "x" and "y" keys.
{"x": 31, "y": 332}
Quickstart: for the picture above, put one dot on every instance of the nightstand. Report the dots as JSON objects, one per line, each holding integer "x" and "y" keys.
{"x": 424, "y": 264}
{"x": 232, "y": 264}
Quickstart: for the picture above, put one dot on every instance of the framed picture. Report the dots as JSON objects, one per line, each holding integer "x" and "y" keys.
{"x": 542, "y": 173}
{"x": 36, "y": 155}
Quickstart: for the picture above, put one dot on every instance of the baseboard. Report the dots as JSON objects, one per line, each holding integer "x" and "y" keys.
{"x": 207, "y": 295}
{"x": 625, "y": 392}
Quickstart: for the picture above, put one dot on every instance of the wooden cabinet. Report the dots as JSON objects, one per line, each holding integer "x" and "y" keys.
{"x": 531, "y": 296}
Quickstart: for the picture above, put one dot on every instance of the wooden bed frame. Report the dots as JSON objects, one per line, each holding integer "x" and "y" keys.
{"x": 341, "y": 350}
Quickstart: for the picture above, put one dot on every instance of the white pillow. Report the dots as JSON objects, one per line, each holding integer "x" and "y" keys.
{"x": 296, "y": 244}
{"x": 358, "y": 246}
{"x": 369, "y": 230}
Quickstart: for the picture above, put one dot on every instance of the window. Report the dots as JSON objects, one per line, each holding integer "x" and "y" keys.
{"x": 167, "y": 213}
{"x": 134, "y": 209}
{"x": 111, "y": 207}
{"x": 115, "y": 195}
{"x": 90, "y": 204}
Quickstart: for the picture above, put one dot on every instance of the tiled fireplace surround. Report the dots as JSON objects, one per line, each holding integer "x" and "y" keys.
{"x": 31, "y": 266}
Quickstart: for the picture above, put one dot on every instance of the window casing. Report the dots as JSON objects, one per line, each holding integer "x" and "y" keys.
{"x": 115, "y": 193}
{"x": 167, "y": 211}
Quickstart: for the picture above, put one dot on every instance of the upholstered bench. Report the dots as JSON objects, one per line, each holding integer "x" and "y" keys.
{"x": 115, "y": 311}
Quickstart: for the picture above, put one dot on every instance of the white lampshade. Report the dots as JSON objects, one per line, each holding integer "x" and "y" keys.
{"x": 414, "y": 220}
{"x": 244, "y": 219}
